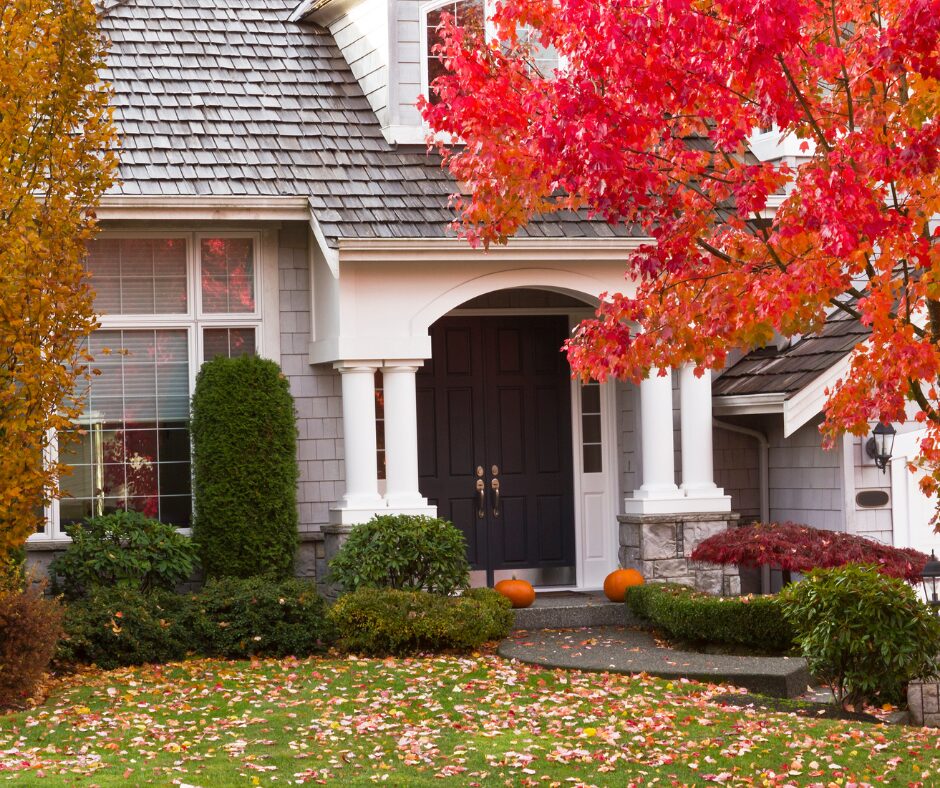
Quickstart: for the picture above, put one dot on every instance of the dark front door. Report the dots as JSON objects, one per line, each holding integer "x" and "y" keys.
{"x": 494, "y": 430}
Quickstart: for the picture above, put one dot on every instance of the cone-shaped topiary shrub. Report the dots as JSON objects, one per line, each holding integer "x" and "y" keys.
{"x": 244, "y": 468}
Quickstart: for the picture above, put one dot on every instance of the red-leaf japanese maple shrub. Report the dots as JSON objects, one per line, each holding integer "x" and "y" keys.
{"x": 30, "y": 627}
{"x": 648, "y": 123}
{"x": 800, "y": 548}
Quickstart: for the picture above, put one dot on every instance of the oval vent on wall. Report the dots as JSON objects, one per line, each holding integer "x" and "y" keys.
{"x": 869, "y": 499}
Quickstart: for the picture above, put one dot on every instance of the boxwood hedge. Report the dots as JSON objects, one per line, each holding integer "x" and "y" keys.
{"x": 695, "y": 617}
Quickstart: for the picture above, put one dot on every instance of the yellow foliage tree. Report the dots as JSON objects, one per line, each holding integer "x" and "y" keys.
{"x": 57, "y": 157}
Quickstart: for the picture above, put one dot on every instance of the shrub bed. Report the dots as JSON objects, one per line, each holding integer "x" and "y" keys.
{"x": 865, "y": 634}
{"x": 689, "y": 615}
{"x": 405, "y": 552}
{"x": 122, "y": 548}
{"x": 115, "y": 627}
{"x": 258, "y": 616}
{"x": 380, "y": 622}
{"x": 231, "y": 618}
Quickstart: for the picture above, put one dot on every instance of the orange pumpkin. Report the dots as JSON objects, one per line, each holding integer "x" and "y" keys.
{"x": 618, "y": 581}
{"x": 519, "y": 592}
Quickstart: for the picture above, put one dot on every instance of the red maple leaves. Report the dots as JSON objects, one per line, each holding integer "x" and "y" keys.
{"x": 800, "y": 548}
{"x": 646, "y": 122}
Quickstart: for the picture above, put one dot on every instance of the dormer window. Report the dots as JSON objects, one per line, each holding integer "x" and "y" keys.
{"x": 473, "y": 16}
{"x": 466, "y": 13}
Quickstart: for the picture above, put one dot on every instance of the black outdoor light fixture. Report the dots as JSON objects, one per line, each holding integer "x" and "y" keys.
{"x": 881, "y": 444}
{"x": 930, "y": 578}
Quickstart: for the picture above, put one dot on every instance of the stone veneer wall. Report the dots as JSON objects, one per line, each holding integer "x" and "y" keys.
{"x": 659, "y": 547}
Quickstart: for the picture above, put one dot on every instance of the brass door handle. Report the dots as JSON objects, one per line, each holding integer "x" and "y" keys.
{"x": 495, "y": 485}
{"x": 481, "y": 502}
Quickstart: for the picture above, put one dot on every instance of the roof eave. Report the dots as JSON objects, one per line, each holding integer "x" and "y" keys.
{"x": 798, "y": 407}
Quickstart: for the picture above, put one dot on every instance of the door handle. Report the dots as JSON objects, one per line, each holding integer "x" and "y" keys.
{"x": 495, "y": 485}
{"x": 481, "y": 499}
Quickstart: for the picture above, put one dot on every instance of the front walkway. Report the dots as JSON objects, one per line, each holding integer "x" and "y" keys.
{"x": 620, "y": 650}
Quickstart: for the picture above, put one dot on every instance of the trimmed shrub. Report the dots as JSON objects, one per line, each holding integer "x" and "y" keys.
{"x": 30, "y": 627}
{"x": 122, "y": 549}
{"x": 799, "y": 548}
{"x": 863, "y": 633}
{"x": 381, "y": 622}
{"x": 404, "y": 552}
{"x": 258, "y": 616}
{"x": 686, "y": 614}
{"x": 244, "y": 468}
{"x": 114, "y": 627}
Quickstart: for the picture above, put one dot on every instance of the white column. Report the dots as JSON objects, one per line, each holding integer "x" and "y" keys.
{"x": 657, "y": 444}
{"x": 358, "y": 383}
{"x": 401, "y": 435}
{"x": 695, "y": 412}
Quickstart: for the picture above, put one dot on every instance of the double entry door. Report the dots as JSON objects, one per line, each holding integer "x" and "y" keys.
{"x": 494, "y": 432}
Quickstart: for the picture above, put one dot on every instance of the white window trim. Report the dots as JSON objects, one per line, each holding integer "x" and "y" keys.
{"x": 264, "y": 320}
{"x": 489, "y": 29}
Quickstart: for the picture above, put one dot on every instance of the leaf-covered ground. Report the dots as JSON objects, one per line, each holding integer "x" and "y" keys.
{"x": 477, "y": 721}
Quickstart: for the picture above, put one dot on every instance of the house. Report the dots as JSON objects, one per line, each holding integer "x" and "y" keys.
{"x": 276, "y": 198}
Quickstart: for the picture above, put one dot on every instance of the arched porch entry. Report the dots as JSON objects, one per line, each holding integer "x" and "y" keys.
{"x": 510, "y": 449}
{"x": 378, "y": 321}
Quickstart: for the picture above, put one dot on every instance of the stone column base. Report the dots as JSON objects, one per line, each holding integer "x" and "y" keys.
{"x": 658, "y": 545}
{"x": 923, "y": 703}
{"x": 334, "y": 536}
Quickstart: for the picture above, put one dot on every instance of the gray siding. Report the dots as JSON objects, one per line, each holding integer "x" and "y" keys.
{"x": 362, "y": 36}
{"x": 628, "y": 437}
{"x": 316, "y": 390}
{"x": 737, "y": 470}
{"x": 805, "y": 480}
{"x": 873, "y": 523}
{"x": 408, "y": 65}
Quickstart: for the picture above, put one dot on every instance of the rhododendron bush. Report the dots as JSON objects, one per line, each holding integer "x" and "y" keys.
{"x": 799, "y": 548}
{"x": 646, "y": 123}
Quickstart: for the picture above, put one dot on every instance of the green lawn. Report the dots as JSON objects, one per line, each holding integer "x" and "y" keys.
{"x": 476, "y": 720}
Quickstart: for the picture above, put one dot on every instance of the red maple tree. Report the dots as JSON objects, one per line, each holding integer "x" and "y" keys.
{"x": 646, "y": 122}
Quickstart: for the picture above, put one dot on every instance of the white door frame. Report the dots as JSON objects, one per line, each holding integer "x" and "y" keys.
{"x": 595, "y": 494}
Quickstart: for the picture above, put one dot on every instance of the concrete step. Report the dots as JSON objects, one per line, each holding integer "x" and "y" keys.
{"x": 569, "y": 609}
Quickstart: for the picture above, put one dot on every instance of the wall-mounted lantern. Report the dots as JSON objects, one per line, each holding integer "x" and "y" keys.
{"x": 881, "y": 444}
{"x": 930, "y": 579}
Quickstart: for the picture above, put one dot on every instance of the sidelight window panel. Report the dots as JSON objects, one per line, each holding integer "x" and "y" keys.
{"x": 591, "y": 436}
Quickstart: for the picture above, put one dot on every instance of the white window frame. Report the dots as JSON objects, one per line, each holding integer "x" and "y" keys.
{"x": 489, "y": 31}
{"x": 264, "y": 319}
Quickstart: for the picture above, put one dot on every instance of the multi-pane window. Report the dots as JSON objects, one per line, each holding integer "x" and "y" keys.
{"x": 167, "y": 304}
{"x": 471, "y": 16}
{"x": 468, "y": 14}
{"x": 132, "y": 450}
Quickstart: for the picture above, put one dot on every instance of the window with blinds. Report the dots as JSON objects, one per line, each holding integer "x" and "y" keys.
{"x": 166, "y": 304}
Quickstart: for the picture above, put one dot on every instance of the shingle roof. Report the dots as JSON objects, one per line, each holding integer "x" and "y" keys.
{"x": 226, "y": 97}
{"x": 772, "y": 371}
